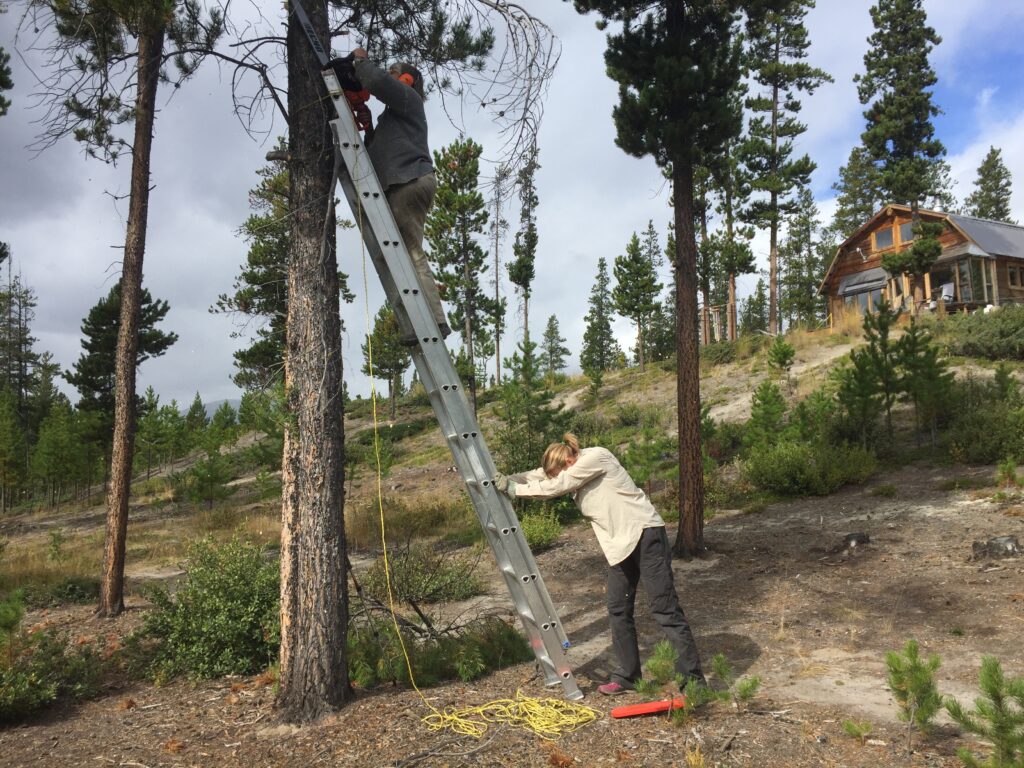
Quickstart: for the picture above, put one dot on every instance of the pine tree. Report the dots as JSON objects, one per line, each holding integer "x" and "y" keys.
{"x": 754, "y": 312}
{"x": 94, "y": 372}
{"x": 767, "y": 414}
{"x": 991, "y": 196}
{"x": 223, "y": 426}
{"x": 600, "y": 350}
{"x": 150, "y": 436}
{"x": 801, "y": 266}
{"x": 676, "y": 63}
{"x": 12, "y": 451}
{"x": 390, "y": 359}
{"x": 102, "y": 52}
{"x": 521, "y": 270}
{"x": 636, "y": 290}
{"x": 858, "y": 193}
{"x": 730, "y": 248}
{"x": 553, "y": 350}
{"x": 900, "y": 136}
{"x": 997, "y": 717}
{"x": 883, "y": 355}
{"x": 6, "y": 83}
{"x": 261, "y": 288}
{"x": 53, "y": 455}
{"x": 499, "y": 190}
{"x": 18, "y": 360}
{"x": 455, "y": 222}
{"x": 529, "y": 420}
{"x": 196, "y": 422}
{"x": 776, "y": 56}
{"x": 926, "y": 380}
{"x": 260, "y": 291}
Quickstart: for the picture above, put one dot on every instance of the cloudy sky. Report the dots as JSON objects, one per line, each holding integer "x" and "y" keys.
{"x": 60, "y": 214}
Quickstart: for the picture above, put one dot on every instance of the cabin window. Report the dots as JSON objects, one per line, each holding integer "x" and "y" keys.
{"x": 943, "y": 284}
{"x": 906, "y": 231}
{"x": 875, "y": 297}
{"x": 1015, "y": 277}
{"x": 975, "y": 281}
{"x": 883, "y": 238}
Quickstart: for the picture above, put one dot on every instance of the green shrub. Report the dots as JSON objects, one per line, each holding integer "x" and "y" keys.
{"x": 997, "y": 335}
{"x": 541, "y": 529}
{"x": 393, "y": 433}
{"x": 71, "y": 589}
{"x": 589, "y": 426}
{"x": 987, "y": 427}
{"x": 998, "y": 718}
{"x": 375, "y": 655}
{"x": 38, "y": 668}
{"x": 420, "y": 574}
{"x": 719, "y": 353}
{"x": 223, "y": 619}
{"x": 802, "y": 469}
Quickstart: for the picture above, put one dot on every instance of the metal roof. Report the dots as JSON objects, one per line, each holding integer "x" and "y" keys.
{"x": 993, "y": 237}
{"x": 858, "y": 282}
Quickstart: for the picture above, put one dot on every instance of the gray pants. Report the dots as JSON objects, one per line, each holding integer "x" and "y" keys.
{"x": 650, "y": 562}
{"x": 410, "y": 203}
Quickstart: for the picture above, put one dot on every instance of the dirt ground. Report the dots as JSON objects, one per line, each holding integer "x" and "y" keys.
{"x": 778, "y": 596}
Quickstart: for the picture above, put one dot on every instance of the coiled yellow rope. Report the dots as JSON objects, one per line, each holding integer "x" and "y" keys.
{"x": 548, "y": 718}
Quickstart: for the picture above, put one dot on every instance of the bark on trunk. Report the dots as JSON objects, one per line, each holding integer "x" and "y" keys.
{"x": 111, "y": 603}
{"x": 314, "y": 590}
{"x": 773, "y": 253}
{"x": 690, "y": 537}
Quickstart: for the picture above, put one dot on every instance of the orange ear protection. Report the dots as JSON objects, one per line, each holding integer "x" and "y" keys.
{"x": 406, "y": 78}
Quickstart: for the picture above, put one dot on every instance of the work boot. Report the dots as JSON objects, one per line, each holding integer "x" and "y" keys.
{"x": 613, "y": 689}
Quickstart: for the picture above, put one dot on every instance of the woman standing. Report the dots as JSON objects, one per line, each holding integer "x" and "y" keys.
{"x": 633, "y": 538}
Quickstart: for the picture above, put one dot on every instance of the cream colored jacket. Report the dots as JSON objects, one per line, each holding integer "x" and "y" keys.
{"x": 617, "y": 510}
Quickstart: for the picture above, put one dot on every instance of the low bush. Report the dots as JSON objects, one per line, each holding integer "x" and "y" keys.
{"x": 802, "y": 469}
{"x": 222, "y": 620}
{"x": 422, "y": 575}
{"x": 375, "y": 655}
{"x": 70, "y": 589}
{"x": 541, "y": 528}
{"x": 393, "y": 433}
{"x": 995, "y": 335}
{"x": 719, "y": 353}
{"x": 988, "y": 425}
{"x": 39, "y": 668}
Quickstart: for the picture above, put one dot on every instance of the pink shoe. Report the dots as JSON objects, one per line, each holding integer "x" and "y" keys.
{"x": 613, "y": 689}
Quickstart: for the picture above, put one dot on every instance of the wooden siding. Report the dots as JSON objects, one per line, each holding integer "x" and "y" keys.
{"x": 850, "y": 261}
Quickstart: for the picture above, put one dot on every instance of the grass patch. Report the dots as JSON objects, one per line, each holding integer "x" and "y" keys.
{"x": 33, "y": 562}
{"x": 965, "y": 483}
{"x": 436, "y": 516}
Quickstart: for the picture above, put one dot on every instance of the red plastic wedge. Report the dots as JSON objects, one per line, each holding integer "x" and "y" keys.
{"x": 648, "y": 707}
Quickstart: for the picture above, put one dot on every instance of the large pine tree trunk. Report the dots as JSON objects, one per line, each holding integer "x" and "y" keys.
{"x": 690, "y": 537}
{"x": 314, "y": 590}
{"x": 151, "y": 44}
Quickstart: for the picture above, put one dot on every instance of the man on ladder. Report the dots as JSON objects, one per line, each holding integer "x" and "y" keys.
{"x": 401, "y": 157}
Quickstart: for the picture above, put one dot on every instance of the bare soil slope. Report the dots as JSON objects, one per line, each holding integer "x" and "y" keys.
{"x": 778, "y": 596}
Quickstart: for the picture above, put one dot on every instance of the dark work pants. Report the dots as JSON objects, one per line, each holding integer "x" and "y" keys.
{"x": 651, "y": 563}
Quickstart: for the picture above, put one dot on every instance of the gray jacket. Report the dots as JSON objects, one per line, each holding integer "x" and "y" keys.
{"x": 399, "y": 150}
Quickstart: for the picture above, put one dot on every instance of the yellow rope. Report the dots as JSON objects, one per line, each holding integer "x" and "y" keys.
{"x": 547, "y": 718}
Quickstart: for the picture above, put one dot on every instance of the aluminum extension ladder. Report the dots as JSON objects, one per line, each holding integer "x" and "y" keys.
{"x": 437, "y": 372}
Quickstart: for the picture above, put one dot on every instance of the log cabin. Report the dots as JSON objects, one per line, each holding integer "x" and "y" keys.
{"x": 982, "y": 264}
